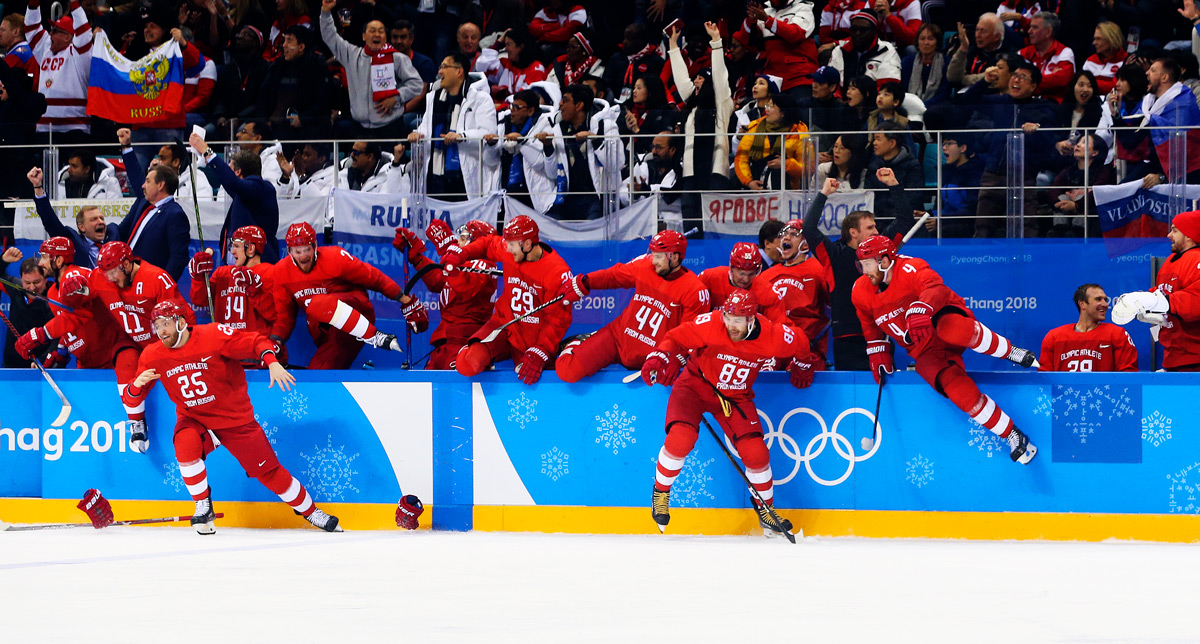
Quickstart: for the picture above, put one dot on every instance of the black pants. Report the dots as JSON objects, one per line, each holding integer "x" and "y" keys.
{"x": 850, "y": 353}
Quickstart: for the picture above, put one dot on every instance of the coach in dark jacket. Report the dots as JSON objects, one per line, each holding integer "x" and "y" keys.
{"x": 254, "y": 202}
{"x": 156, "y": 227}
{"x": 90, "y": 229}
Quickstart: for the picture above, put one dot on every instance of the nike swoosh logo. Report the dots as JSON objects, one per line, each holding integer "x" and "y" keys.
{"x": 262, "y": 463}
{"x": 807, "y": 279}
{"x": 1105, "y": 346}
{"x": 205, "y": 359}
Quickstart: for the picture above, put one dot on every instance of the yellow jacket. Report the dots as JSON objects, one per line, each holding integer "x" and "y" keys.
{"x": 756, "y": 148}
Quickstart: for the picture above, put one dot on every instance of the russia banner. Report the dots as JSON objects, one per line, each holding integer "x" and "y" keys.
{"x": 1131, "y": 216}
{"x": 143, "y": 91}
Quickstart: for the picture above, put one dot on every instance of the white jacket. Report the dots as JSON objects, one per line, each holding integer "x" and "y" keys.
{"x": 374, "y": 183}
{"x": 204, "y": 187}
{"x": 725, "y": 108}
{"x": 106, "y": 186}
{"x": 319, "y": 183}
{"x": 606, "y": 156}
{"x": 541, "y": 170}
{"x": 476, "y": 117}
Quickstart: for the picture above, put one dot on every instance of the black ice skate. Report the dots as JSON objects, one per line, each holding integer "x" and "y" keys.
{"x": 326, "y": 522}
{"x": 1023, "y": 357}
{"x": 1022, "y": 450}
{"x": 139, "y": 436}
{"x": 660, "y": 508}
{"x": 383, "y": 340}
{"x": 770, "y": 528}
{"x": 203, "y": 517}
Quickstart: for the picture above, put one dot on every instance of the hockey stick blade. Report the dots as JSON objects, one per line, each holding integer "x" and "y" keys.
{"x": 912, "y": 231}
{"x": 8, "y": 527}
{"x": 63, "y": 413}
{"x": 631, "y": 376}
{"x": 496, "y": 332}
{"x": 35, "y": 296}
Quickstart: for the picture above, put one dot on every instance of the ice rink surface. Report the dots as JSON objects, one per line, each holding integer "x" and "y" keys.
{"x": 171, "y": 585}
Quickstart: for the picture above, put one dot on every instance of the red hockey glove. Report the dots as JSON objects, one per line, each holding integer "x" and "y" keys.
{"x": 880, "y": 355}
{"x": 802, "y": 372}
{"x": 74, "y": 284}
{"x": 439, "y": 234}
{"x": 574, "y": 289}
{"x": 452, "y": 257}
{"x": 407, "y": 240}
{"x": 280, "y": 348}
{"x": 202, "y": 262}
{"x": 919, "y": 317}
{"x": 408, "y": 511}
{"x": 33, "y": 340}
{"x": 56, "y": 359}
{"x": 97, "y": 508}
{"x": 661, "y": 368}
{"x": 245, "y": 277}
{"x": 416, "y": 315}
{"x": 531, "y": 365}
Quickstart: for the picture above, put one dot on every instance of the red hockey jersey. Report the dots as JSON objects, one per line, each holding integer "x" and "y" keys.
{"x": 882, "y": 312}
{"x": 1180, "y": 334}
{"x": 334, "y": 271}
{"x": 242, "y": 304}
{"x": 1107, "y": 347}
{"x": 132, "y": 305}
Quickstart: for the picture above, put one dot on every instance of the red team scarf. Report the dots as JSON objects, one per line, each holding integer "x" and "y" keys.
{"x": 572, "y": 74}
{"x": 383, "y": 73}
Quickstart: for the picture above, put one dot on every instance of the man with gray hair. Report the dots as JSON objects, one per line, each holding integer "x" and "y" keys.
{"x": 1055, "y": 60}
{"x": 969, "y": 62}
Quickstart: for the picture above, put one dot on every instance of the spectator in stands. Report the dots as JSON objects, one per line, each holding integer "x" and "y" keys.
{"x": 458, "y": 112}
{"x": 295, "y": 94}
{"x": 519, "y": 68}
{"x": 65, "y": 56}
{"x": 835, "y": 19}
{"x": 554, "y": 25}
{"x": 636, "y": 56}
{"x": 13, "y": 48}
{"x": 1072, "y": 190}
{"x": 313, "y": 168}
{"x": 254, "y": 202}
{"x": 1189, "y": 69}
{"x": 381, "y": 80}
{"x": 156, "y": 228}
{"x": 578, "y": 62}
{"x": 861, "y": 93}
{"x": 847, "y": 163}
{"x": 761, "y": 91}
{"x": 969, "y": 62}
{"x": 789, "y": 50}
{"x": 1155, "y": 21}
{"x": 864, "y": 54}
{"x": 647, "y": 111}
{"x": 90, "y": 228}
{"x": 660, "y": 173}
{"x": 887, "y": 142}
{"x": 924, "y": 73}
{"x": 1055, "y": 60}
{"x": 901, "y": 20}
{"x": 209, "y": 30}
{"x": 773, "y": 145}
{"x": 86, "y": 177}
{"x": 20, "y": 108}
{"x": 1080, "y": 111}
{"x": 290, "y": 13}
{"x": 708, "y": 106}
{"x": 171, "y": 128}
{"x": 526, "y": 173}
{"x": 599, "y": 88}
{"x": 179, "y": 159}
{"x": 239, "y": 80}
{"x": 253, "y": 137}
{"x": 402, "y": 37}
{"x": 961, "y": 174}
{"x": 743, "y": 64}
{"x": 246, "y": 12}
{"x": 1169, "y": 104}
{"x": 768, "y": 242}
{"x": 825, "y": 112}
{"x": 484, "y": 60}
{"x": 24, "y": 311}
{"x": 887, "y": 103}
{"x": 588, "y": 140}
{"x": 1110, "y": 55}
{"x": 1122, "y": 105}
{"x": 366, "y": 167}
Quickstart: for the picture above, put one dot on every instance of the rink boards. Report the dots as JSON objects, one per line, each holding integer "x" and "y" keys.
{"x": 1119, "y": 455}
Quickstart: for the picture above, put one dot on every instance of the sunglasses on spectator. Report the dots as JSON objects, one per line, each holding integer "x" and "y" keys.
{"x": 355, "y": 153}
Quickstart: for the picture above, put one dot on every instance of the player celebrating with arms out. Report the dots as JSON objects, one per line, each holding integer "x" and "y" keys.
{"x": 902, "y": 297}
{"x": 242, "y": 293}
{"x": 666, "y": 295}
{"x": 201, "y": 370}
{"x": 799, "y": 281}
{"x": 1091, "y": 344}
{"x": 728, "y": 349}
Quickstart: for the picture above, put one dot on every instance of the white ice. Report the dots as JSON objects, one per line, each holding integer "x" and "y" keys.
{"x": 172, "y": 585}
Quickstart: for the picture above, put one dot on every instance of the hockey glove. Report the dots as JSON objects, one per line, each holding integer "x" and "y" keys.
{"x": 408, "y": 511}
{"x": 880, "y": 355}
{"x": 246, "y": 277}
{"x": 97, "y": 508}
{"x": 56, "y": 359}
{"x": 407, "y": 240}
{"x": 574, "y": 289}
{"x": 1147, "y": 306}
{"x": 802, "y": 372}
{"x": 452, "y": 257}
{"x": 661, "y": 368}
{"x": 439, "y": 234}
{"x": 202, "y": 262}
{"x": 416, "y": 315}
{"x": 74, "y": 284}
{"x": 33, "y": 340}
{"x": 532, "y": 363}
{"x": 919, "y": 317}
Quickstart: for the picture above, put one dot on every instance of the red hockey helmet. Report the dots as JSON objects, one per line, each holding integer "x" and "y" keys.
{"x": 745, "y": 256}
{"x": 793, "y": 226}
{"x": 669, "y": 241}
{"x": 113, "y": 254}
{"x": 520, "y": 228}
{"x": 59, "y": 247}
{"x": 251, "y": 235}
{"x": 167, "y": 309}
{"x": 476, "y": 229}
{"x": 741, "y": 302}
{"x": 301, "y": 234}
{"x": 875, "y": 246}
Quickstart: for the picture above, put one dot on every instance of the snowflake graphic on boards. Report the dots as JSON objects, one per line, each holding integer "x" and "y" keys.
{"x": 1182, "y": 493}
{"x": 690, "y": 488}
{"x": 616, "y": 429}
{"x": 521, "y": 410}
{"x": 330, "y": 472}
{"x": 269, "y": 429}
{"x": 1044, "y": 405}
{"x": 554, "y": 463}
{"x": 171, "y": 475}
{"x": 1092, "y": 404}
{"x": 985, "y": 441}
{"x": 919, "y": 471}
{"x": 1156, "y": 428}
{"x": 295, "y": 405}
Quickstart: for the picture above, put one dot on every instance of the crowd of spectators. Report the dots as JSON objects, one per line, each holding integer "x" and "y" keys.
{"x": 590, "y": 106}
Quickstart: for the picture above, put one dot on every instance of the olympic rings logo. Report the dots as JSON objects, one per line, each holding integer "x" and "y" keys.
{"x": 816, "y": 445}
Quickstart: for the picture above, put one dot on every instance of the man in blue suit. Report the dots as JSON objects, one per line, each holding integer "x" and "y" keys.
{"x": 91, "y": 230}
{"x": 254, "y": 201}
{"x": 156, "y": 227}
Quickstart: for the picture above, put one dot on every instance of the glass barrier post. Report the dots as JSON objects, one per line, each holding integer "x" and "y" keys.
{"x": 1177, "y": 172}
{"x": 1015, "y": 185}
{"x": 937, "y": 155}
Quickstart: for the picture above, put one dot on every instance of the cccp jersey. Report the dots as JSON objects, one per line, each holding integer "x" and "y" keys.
{"x": 732, "y": 366}
{"x": 132, "y": 305}
{"x": 334, "y": 271}
{"x": 89, "y": 332}
{"x": 882, "y": 312}
{"x": 243, "y": 304}
{"x": 801, "y": 288}
{"x": 464, "y": 299}
{"x": 1180, "y": 334}
{"x": 1107, "y": 347}
{"x": 716, "y": 280}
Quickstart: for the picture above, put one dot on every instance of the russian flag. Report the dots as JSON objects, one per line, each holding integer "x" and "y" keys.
{"x": 1131, "y": 216}
{"x": 1176, "y": 108}
{"x": 143, "y": 91}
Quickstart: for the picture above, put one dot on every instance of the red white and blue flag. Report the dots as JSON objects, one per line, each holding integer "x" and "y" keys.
{"x": 143, "y": 91}
{"x": 1176, "y": 108}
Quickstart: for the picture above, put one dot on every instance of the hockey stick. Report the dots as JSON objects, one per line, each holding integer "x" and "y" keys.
{"x": 36, "y": 296}
{"x": 200, "y": 231}
{"x": 912, "y": 231}
{"x": 65, "y": 412}
{"x": 407, "y": 328}
{"x": 8, "y": 527}
{"x": 428, "y": 268}
{"x": 496, "y": 332}
{"x": 770, "y": 510}
{"x": 868, "y": 443}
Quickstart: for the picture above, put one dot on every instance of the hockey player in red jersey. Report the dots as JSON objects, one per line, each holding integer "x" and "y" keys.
{"x": 666, "y": 295}
{"x": 728, "y": 348}
{"x": 799, "y": 282}
{"x": 330, "y": 285}
{"x": 1173, "y": 307}
{"x": 745, "y": 263}
{"x": 87, "y": 331}
{"x": 903, "y": 298}
{"x": 140, "y": 285}
{"x": 1091, "y": 344}
{"x": 465, "y": 299}
{"x": 242, "y": 293}
{"x": 533, "y": 273}
{"x": 201, "y": 370}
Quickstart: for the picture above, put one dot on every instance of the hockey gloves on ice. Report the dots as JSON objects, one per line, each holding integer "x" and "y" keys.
{"x": 408, "y": 240}
{"x": 574, "y": 289}
{"x": 408, "y": 511}
{"x": 919, "y": 317}
{"x": 802, "y": 372}
{"x": 880, "y": 355}
{"x": 439, "y": 234}
{"x": 202, "y": 262}
{"x": 531, "y": 365}
{"x": 415, "y": 315}
{"x": 661, "y": 368}
{"x": 74, "y": 284}
{"x": 97, "y": 508}
{"x": 33, "y": 340}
